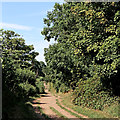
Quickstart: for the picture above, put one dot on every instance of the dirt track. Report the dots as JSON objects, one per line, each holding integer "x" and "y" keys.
{"x": 48, "y": 100}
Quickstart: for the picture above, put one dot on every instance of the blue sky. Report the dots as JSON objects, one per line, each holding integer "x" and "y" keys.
{"x": 26, "y": 19}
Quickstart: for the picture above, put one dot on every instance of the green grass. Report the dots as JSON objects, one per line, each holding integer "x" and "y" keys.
{"x": 74, "y": 114}
{"x": 113, "y": 110}
{"x": 58, "y": 113}
{"x": 109, "y": 112}
{"x": 66, "y": 100}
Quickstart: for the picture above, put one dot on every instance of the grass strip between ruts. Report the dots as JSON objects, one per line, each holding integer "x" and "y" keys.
{"x": 59, "y": 114}
{"x": 76, "y": 115}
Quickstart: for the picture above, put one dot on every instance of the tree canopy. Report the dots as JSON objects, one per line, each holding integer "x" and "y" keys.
{"x": 91, "y": 59}
{"x": 19, "y": 66}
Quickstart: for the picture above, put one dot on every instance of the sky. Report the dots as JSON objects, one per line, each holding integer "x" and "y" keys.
{"x": 26, "y": 19}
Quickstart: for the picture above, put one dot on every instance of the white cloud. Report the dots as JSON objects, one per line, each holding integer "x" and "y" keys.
{"x": 15, "y": 26}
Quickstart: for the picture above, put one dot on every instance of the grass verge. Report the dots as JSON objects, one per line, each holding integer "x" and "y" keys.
{"x": 59, "y": 114}
{"x": 66, "y": 100}
{"x": 112, "y": 111}
{"x": 76, "y": 115}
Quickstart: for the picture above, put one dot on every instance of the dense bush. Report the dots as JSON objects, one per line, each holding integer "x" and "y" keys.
{"x": 23, "y": 75}
{"x": 63, "y": 88}
{"x": 89, "y": 93}
{"x": 40, "y": 85}
{"x": 27, "y": 89}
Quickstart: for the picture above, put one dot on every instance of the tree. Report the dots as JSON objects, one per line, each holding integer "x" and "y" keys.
{"x": 37, "y": 67}
{"x": 19, "y": 81}
{"x": 59, "y": 64}
{"x": 92, "y": 30}
{"x": 16, "y": 61}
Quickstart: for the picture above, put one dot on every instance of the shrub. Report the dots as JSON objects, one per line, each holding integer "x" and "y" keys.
{"x": 63, "y": 88}
{"x": 89, "y": 93}
{"x": 28, "y": 89}
{"x": 24, "y": 75}
{"x": 40, "y": 87}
